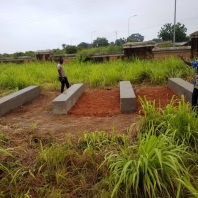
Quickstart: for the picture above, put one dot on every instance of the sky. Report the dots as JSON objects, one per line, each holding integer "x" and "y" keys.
{"x": 31, "y": 25}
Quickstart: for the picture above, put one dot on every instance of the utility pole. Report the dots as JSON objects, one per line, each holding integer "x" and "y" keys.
{"x": 116, "y": 32}
{"x": 174, "y": 25}
{"x": 128, "y": 22}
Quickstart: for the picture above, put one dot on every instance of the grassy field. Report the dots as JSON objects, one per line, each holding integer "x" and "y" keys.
{"x": 156, "y": 72}
{"x": 161, "y": 161}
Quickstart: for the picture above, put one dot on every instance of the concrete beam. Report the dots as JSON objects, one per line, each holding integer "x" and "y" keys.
{"x": 17, "y": 99}
{"x": 127, "y": 97}
{"x": 65, "y": 101}
{"x": 181, "y": 87}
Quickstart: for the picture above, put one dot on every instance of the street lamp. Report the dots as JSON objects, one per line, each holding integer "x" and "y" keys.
{"x": 128, "y": 22}
{"x": 91, "y": 36}
{"x": 174, "y": 25}
{"x": 116, "y": 32}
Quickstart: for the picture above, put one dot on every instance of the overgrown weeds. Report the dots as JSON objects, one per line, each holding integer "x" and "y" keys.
{"x": 155, "y": 72}
{"x": 161, "y": 161}
{"x": 156, "y": 163}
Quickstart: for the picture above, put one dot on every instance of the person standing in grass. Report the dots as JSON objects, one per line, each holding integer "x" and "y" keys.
{"x": 193, "y": 64}
{"x": 62, "y": 77}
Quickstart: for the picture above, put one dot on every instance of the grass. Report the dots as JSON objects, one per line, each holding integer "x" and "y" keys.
{"x": 104, "y": 164}
{"x": 177, "y": 117}
{"x": 150, "y": 168}
{"x": 156, "y": 72}
{"x": 161, "y": 161}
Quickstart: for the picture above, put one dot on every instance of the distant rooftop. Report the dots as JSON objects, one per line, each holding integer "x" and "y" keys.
{"x": 139, "y": 44}
{"x": 44, "y": 52}
{"x": 194, "y": 35}
{"x": 182, "y": 48}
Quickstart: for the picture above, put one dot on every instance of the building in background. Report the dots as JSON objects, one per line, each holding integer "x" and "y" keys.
{"x": 43, "y": 55}
{"x": 194, "y": 44}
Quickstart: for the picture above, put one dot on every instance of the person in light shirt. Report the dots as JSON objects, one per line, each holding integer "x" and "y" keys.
{"x": 62, "y": 77}
{"x": 193, "y": 64}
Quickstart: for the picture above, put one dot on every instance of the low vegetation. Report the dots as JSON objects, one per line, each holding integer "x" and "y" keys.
{"x": 160, "y": 161}
{"x": 17, "y": 76}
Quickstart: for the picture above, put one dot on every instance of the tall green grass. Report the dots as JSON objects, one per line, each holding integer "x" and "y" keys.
{"x": 160, "y": 162}
{"x": 150, "y": 168}
{"x": 104, "y": 165}
{"x": 163, "y": 160}
{"x": 18, "y": 76}
{"x": 177, "y": 117}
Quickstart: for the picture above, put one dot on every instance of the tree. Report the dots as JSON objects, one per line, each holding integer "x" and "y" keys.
{"x": 100, "y": 42}
{"x": 64, "y": 46}
{"x": 135, "y": 38}
{"x": 6, "y": 55}
{"x": 120, "y": 42}
{"x": 18, "y": 54}
{"x": 29, "y": 53}
{"x": 166, "y": 32}
{"x": 58, "y": 51}
{"x": 83, "y": 45}
{"x": 70, "y": 49}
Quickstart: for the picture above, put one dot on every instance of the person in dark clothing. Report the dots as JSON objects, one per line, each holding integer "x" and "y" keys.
{"x": 193, "y": 64}
{"x": 62, "y": 77}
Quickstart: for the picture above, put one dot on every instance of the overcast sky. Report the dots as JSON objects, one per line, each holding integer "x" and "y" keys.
{"x": 30, "y": 25}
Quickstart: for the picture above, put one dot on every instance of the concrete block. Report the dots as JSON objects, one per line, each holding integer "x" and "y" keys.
{"x": 17, "y": 99}
{"x": 66, "y": 100}
{"x": 127, "y": 97}
{"x": 181, "y": 87}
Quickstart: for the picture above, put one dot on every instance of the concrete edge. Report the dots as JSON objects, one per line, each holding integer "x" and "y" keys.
{"x": 17, "y": 99}
{"x": 181, "y": 87}
{"x": 128, "y": 101}
{"x": 65, "y": 101}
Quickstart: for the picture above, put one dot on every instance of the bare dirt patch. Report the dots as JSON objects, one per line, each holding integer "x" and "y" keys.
{"x": 96, "y": 110}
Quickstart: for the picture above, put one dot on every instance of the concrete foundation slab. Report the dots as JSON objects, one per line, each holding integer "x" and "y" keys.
{"x": 127, "y": 97}
{"x": 181, "y": 87}
{"x": 17, "y": 99}
{"x": 65, "y": 101}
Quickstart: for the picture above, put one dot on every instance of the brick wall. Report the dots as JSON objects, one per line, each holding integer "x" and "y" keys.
{"x": 162, "y": 53}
